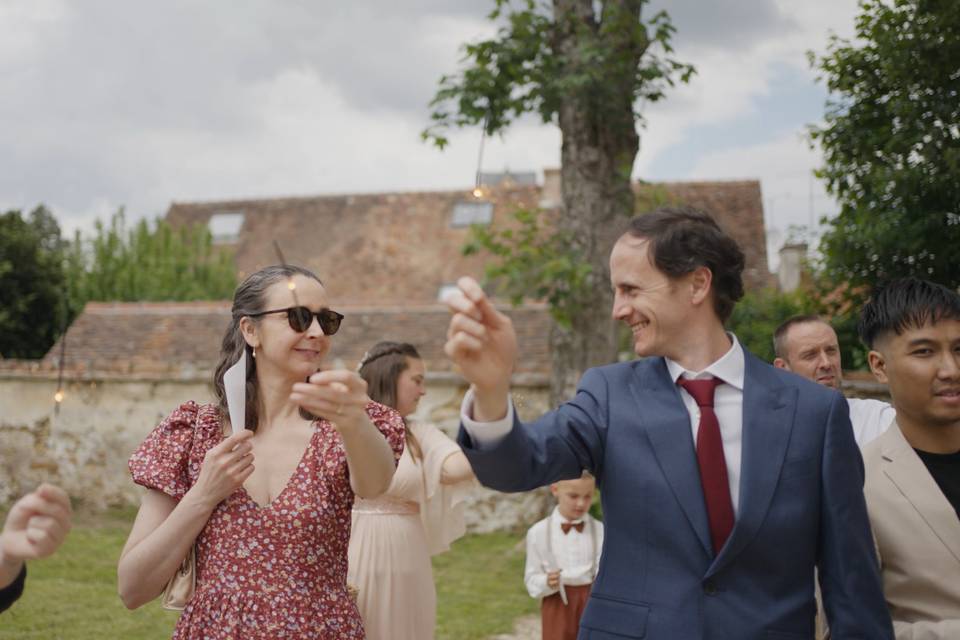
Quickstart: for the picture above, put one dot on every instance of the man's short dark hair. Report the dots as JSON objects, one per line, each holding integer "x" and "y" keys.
{"x": 683, "y": 239}
{"x": 780, "y": 333}
{"x": 906, "y": 303}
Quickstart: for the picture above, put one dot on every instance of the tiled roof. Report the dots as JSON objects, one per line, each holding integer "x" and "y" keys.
{"x": 383, "y": 259}
{"x": 182, "y": 339}
{"x": 738, "y": 207}
{"x": 400, "y": 248}
{"x": 383, "y": 250}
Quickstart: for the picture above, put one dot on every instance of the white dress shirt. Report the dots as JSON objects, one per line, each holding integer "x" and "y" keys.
{"x": 869, "y": 418}
{"x": 575, "y": 553}
{"x": 727, "y": 401}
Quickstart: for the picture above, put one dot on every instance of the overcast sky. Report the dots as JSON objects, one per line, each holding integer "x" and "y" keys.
{"x": 110, "y": 103}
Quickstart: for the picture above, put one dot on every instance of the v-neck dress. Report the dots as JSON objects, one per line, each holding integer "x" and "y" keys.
{"x": 276, "y": 571}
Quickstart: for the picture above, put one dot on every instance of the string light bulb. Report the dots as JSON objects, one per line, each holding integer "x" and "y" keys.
{"x": 477, "y": 193}
{"x": 58, "y": 396}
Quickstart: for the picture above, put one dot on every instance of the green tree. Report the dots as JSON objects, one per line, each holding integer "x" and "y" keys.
{"x": 150, "y": 261}
{"x": 891, "y": 144}
{"x": 33, "y": 303}
{"x": 587, "y": 66}
{"x": 759, "y": 313}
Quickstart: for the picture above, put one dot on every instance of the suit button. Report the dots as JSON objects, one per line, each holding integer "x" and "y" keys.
{"x": 710, "y": 588}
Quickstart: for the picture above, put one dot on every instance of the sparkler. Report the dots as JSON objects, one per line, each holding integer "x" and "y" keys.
{"x": 477, "y": 184}
{"x": 60, "y": 395}
{"x": 291, "y": 285}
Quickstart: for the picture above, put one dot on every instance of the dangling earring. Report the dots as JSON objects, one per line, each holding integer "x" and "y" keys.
{"x": 253, "y": 351}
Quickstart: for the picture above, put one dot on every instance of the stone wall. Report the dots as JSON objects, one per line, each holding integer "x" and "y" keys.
{"x": 84, "y": 447}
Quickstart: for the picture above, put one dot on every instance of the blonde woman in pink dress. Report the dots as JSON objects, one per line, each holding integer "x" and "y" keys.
{"x": 267, "y": 509}
{"x": 420, "y": 514}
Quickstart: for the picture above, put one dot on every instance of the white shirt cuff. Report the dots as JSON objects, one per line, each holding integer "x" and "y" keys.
{"x": 485, "y": 435}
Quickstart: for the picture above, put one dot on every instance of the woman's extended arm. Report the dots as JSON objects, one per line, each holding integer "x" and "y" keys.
{"x": 341, "y": 397}
{"x": 455, "y": 469}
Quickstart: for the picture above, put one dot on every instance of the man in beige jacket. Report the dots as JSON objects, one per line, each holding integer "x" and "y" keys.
{"x": 912, "y": 481}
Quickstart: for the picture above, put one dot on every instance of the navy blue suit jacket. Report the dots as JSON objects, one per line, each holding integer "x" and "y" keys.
{"x": 801, "y": 506}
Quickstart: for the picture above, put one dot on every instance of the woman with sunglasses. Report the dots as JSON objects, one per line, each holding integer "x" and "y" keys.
{"x": 267, "y": 510}
{"x": 421, "y": 513}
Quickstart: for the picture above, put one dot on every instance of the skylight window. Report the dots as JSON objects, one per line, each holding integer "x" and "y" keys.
{"x": 225, "y": 227}
{"x": 468, "y": 213}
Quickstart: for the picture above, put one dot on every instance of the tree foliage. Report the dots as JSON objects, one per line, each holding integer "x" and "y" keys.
{"x": 531, "y": 261}
{"x": 45, "y": 281}
{"x": 523, "y": 70}
{"x": 32, "y": 283}
{"x": 149, "y": 262}
{"x": 760, "y": 312}
{"x": 891, "y": 142}
{"x": 535, "y": 259}
{"x": 588, "y": 66}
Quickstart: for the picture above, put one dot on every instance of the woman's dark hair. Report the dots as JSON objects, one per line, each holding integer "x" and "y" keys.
{"x": 906, "y": 303}
{"x": 381, "y": 367}
{"x": 249, "y": 297}
{"x": 683, "y": 239}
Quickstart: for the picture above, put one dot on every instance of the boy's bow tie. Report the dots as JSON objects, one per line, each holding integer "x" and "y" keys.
{"x": 566, "y": 526}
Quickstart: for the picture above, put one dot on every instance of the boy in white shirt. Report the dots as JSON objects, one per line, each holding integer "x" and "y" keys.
{"x": 563, "y": 553}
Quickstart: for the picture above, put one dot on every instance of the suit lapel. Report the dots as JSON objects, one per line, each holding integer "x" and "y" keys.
{"x": 768, "y": 410}
{"x": 667, "y": 424}
{"x": 906, "y": 471}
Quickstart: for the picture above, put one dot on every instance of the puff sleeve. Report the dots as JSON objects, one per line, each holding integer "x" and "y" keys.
{"x": 390, "y": 424}
{"x": 162, "y": 461}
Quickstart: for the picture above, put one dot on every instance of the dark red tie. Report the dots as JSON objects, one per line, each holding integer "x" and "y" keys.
{"x": 566, "y": 526}
{"x": 713, "y": 466}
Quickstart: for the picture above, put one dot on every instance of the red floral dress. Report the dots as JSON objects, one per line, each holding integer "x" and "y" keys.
{"x": 270, "y": 572}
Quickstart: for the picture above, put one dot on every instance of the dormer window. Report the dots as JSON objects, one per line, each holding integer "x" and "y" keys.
{"x": 468, "y": 213}
{"x": 225, "y": 227}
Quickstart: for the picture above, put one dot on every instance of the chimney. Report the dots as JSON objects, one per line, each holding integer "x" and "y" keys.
{"x": 789, "y": 273}
{"x": 550, "y": 195}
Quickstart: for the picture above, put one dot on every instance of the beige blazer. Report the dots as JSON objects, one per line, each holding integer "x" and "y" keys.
{"x": 917, "y": 533}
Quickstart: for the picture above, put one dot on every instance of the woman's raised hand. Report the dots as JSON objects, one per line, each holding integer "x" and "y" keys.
{"x": 225, "y": 468}
{"x": 338, "y": 395}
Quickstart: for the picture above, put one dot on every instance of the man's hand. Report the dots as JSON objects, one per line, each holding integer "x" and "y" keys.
{"x": 35, "y": 528}
{"x": 482, "y": 343}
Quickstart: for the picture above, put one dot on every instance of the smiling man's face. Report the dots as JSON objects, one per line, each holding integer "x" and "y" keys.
{"x": 922, "y": 368}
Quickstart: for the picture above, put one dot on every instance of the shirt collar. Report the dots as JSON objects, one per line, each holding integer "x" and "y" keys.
{"x": 559, "y": 518}
{"x": 729, "y": 368}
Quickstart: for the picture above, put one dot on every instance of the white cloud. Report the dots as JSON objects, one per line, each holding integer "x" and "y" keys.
{"x": 791, "y": 196}
{"x": 141, "y": 103}
{"x": 730, "y": 79}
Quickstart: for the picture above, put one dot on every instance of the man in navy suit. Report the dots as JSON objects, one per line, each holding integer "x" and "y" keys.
{"x": 724, "y": 481}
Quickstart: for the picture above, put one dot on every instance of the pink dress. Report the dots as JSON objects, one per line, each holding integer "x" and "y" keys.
{"x": 270, "y": 572}
{"x": 394, "y": 536}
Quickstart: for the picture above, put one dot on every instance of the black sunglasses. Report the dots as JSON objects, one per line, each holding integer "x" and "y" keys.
{"x": 300, "y": 318}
